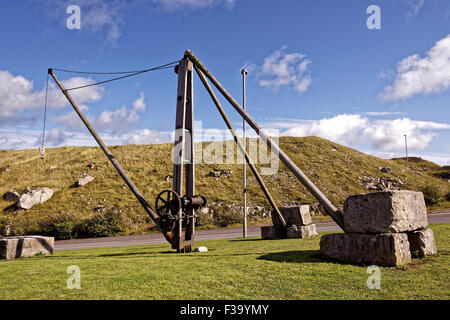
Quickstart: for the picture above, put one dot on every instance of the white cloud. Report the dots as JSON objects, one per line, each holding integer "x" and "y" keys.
{"x": 381, "y": 113}
{"x": 194, "y": 4}
{"x": 356, "y": 131}
{"x": 56, "y": 137}
{"x": 101, "y": 15}
{"x": 416, "y": 75}
{"x": 282, "y": 69}
{"x": 17, "y": 95}
{"x": 414, "y": 7}
{"x": 147, "y": 136}
{"x": 382, "y": 138}
{"x": 118, "y": 121}
{"x": 439, "y": 158}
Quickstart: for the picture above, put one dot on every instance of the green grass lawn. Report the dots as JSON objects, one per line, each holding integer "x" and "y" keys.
{"x": 232, "y": 269}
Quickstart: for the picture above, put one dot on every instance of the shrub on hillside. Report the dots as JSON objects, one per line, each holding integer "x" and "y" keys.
{"x": 204, "y": 218}
{"x": 225, "y": 217}
{"x": 62, "y": 225}
{"x": 433, "y": 194}
{"x": 104, "y": 224}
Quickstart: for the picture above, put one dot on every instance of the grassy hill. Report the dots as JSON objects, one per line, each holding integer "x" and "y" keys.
{"x": 106, "y": 206}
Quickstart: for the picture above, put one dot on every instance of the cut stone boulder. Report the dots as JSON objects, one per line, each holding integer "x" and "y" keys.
{"x": 85, "y": 180}
{"x": 298, "y": 224}
{"x": 272, "y": 233}
{"x": 28, "y": 246}
{"x": 297, "y": 231}
{"x": 422, "y": 242}
{"x": 11, "y": 196}
{"x": 385, "y": 212}
{"x": 34, "y": 197}
{"x": 293, "y": 215}
{"x": 388, "y": 249}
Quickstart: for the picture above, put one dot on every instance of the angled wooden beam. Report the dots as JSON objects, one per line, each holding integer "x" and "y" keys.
{"x": 334, "y": 213}
{"x": 241, "y": 147}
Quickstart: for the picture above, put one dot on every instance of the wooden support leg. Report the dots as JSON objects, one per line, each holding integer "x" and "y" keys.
{"x": 179, "y": 145}
{"x": 190, "y": 153}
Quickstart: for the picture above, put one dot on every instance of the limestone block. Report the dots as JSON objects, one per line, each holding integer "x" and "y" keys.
{"x": 296, "y": 231}
{"x": 385, "y": 212}
{"x": 388, "y": 249}
{"x": 293, "y": 215}
{"x": 422, "y": 241}
{"x": 27, "y": 246}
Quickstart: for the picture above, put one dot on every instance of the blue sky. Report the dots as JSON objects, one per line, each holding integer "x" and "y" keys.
{"x": 314, "y": 69}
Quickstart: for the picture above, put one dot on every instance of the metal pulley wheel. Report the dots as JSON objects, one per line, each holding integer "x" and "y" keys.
{"x": 168, "y": 207}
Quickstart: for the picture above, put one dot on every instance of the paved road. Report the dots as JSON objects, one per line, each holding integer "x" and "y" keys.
{"x": 435, "y": 217}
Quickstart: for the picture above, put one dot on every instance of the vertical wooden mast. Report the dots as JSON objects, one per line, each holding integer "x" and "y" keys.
{"x": 184, "y": 162}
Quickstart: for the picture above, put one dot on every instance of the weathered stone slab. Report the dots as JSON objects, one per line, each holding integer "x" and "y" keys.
{"x": 272, "y": 233}
{"x": 34, "y": 197}
{"x": 85, "y": 180}
{"x": 385, "y": 212}
{"x": 296, "y": 231}
{"x": 388, "y": 249}
{"x": 422, "y": 241}
{"x": 293, "y": 215}
{"x": 27, "y": 246}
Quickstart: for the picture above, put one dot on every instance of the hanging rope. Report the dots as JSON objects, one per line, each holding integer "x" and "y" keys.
{"x": 128, "y": 74}
{"x": 42, "y": 148}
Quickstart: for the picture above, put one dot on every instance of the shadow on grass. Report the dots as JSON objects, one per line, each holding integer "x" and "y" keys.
{"x": 245, "y": 240}
{"x": 298, "y": 256}
{"x": 10, "y": 209}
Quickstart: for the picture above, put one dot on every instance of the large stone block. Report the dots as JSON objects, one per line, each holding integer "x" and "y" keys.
{"x": 388, "y": 249}
{"x": 28, "y": 246}
{"x": 272, "y": 233}
{"x": 422, "y": 241}
{"x": 385, "y": 212}
{"x": 293, "y": 215}
{"x": 296, "y": 231}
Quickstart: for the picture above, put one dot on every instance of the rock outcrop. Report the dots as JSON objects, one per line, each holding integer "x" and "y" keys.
{"x": 34, "y": 197}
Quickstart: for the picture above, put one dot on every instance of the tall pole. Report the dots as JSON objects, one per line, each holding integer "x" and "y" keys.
{"x": 244, "y": 73}
{"x": 406, "y": 147}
